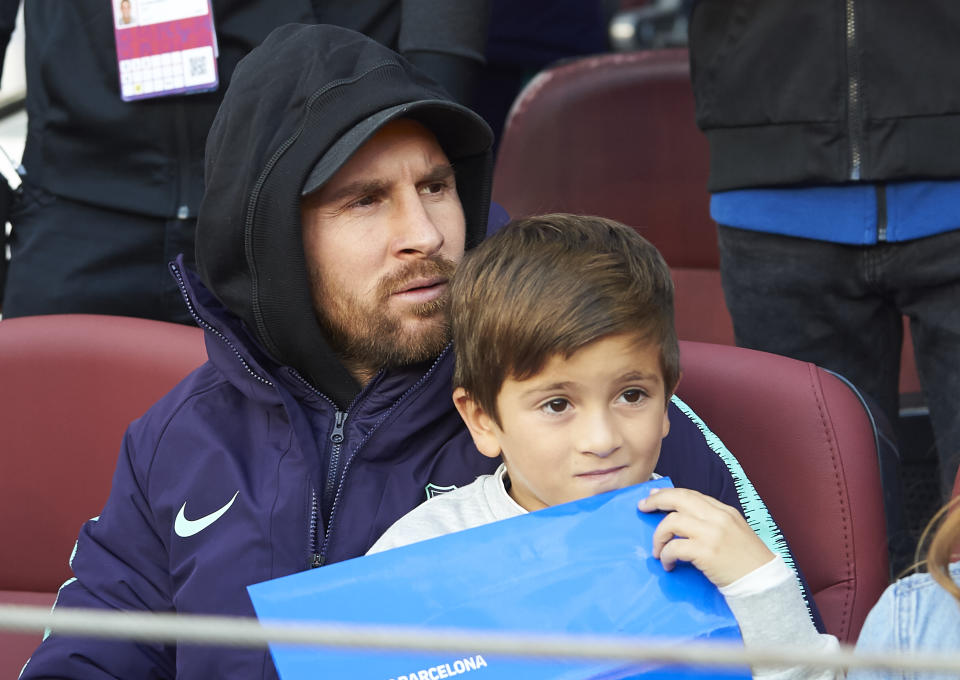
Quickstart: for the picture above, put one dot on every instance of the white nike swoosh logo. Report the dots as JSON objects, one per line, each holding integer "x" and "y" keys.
{"x": 185, "y": 528}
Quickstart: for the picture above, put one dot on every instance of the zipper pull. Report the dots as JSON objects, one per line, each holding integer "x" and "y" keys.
{"x": 337, "y": 435}
{"x": 315, "y": 561}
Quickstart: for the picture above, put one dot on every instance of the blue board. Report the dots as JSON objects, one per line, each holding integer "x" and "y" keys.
{"x": 582, "y": 567}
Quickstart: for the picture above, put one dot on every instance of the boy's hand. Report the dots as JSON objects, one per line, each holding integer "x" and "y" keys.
{"x": 701, "y": 530}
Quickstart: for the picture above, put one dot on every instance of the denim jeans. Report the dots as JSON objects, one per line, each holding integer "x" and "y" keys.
{"x": 841, "y": 306}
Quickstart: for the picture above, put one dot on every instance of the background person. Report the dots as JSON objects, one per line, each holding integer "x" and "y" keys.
{"x": 919, "y": 613}
{"x": 834, "y": 132}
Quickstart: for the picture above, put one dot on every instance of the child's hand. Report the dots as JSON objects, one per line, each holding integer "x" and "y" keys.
{"x": 701, "y": 530}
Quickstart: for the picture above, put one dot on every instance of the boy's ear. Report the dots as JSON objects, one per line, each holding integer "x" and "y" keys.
{"x": 675, "y": 386}
{"x": 665, "y": 428}
{"x": 482, "y": 428}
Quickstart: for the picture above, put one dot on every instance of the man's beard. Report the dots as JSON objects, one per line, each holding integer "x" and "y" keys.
{"x": 368, "y": 335}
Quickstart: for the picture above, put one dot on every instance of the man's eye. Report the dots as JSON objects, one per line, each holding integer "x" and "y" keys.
{"x": 363, "y": 202}
{"x": 555, "y": 405}
{"x": 632, "y": 396}
{"x": 433, "y": 188}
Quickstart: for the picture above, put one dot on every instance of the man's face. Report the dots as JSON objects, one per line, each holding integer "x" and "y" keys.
{"x": 382, "y": 238}
{"x": 125, "y": 11}
{"x": 585, "y": 424}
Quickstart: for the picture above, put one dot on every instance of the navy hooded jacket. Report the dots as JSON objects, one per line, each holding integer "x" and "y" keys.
{"x": 270, "y": 459}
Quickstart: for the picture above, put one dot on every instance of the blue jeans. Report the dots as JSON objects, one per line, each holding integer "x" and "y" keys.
{"x": 841, "y": 306}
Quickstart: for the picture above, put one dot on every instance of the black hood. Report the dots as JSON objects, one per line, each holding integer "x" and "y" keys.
{"x": 288, "y": 102}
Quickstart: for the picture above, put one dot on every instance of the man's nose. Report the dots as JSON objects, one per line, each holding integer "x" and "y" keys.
{"x": 417, "y": 233}
{"x": 599, "y": 434}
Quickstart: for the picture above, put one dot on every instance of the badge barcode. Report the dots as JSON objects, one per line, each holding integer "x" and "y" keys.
{"x": 168, "y": 72}
{"x": 198, "y": 66}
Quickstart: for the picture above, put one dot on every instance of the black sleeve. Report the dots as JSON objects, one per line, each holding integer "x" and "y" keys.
{"x": 447, "y": 40}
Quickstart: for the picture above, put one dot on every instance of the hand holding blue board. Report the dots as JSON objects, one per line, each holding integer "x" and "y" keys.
{"x": 582, "y": 567}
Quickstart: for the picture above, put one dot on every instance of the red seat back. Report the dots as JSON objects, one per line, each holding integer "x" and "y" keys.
{"x": 69, "y": 386}
{"x": 808, "y": 445}
{"x": 615, "y": 135}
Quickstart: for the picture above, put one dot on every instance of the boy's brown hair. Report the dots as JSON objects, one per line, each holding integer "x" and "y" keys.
{"x": 548, "y": 285}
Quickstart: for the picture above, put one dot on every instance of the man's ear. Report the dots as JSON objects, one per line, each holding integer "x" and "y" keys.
{"x": 484, "y": 431}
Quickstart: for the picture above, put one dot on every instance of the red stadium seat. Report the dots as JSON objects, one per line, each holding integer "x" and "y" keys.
{"x": 615, "y": 135}
{"x": 809, "y": 446}
{"x": 70, "y": 386}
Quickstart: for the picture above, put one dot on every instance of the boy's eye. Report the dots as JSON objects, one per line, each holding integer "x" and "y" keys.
{"x": 557, "y": 405}
{"x": 632, "y": 396}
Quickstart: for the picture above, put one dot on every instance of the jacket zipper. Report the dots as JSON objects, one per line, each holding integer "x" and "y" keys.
{"x": 333, "y": 510}
{"x": 881, "y": 192}
{"x": 178, "y": 275}
{"x": 333, "y": 467}
{"x": 854, "y": 96}
{"x": 314, "y": 530}
{"x": 329, "y": 489}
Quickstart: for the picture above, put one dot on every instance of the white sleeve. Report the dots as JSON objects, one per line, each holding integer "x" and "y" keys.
{"x": 768, "y": 604}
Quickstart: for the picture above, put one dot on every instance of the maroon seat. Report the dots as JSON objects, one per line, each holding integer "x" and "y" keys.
{"x": 808, "y": 445}
{"x": 70, "y": 386}
{"x": 615, "y": 135}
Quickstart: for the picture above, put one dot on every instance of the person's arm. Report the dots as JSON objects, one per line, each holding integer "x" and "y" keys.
{"x": 770, "y": 610}
{"x": 762, "y": 592}
{"x": 446, "y": 40}
{"x": 119, "y": 563}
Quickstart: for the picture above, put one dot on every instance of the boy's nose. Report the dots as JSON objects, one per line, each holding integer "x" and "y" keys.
{"x": 600, "y": 436}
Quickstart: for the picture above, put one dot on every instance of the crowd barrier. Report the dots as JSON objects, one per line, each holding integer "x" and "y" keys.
{"x": 248, "y": 632}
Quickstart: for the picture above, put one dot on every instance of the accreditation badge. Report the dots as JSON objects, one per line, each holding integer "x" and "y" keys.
{"x": 165, "y": 47}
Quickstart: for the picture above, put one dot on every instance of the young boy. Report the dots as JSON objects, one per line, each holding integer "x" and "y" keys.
{"x": 567, "y": 359}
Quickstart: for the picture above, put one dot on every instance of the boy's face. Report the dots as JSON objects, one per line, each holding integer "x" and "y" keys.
{"x": 582, "y": 426}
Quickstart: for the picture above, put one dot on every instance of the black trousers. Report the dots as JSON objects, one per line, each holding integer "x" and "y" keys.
{"x": 840, "y": 306}
{"x": 70, "y": 257}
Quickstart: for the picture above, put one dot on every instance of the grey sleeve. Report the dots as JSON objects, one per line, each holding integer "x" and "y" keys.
{"x": 778, "y": 616}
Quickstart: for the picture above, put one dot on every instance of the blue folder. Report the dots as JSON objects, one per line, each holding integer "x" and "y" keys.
{"x": 583, "y": 567}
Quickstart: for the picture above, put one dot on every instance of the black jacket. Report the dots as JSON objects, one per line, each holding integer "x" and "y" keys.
{"x": 827, "y": 91}
{"x": 84, "y": 143}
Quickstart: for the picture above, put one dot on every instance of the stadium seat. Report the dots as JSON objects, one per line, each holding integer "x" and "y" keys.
{"x": 809, "y": 446}
{"x": 70, "y": 386}
{"x": 615, "y": 135}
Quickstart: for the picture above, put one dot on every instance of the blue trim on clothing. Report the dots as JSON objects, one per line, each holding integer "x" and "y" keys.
{"x": 843, "y": 214}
